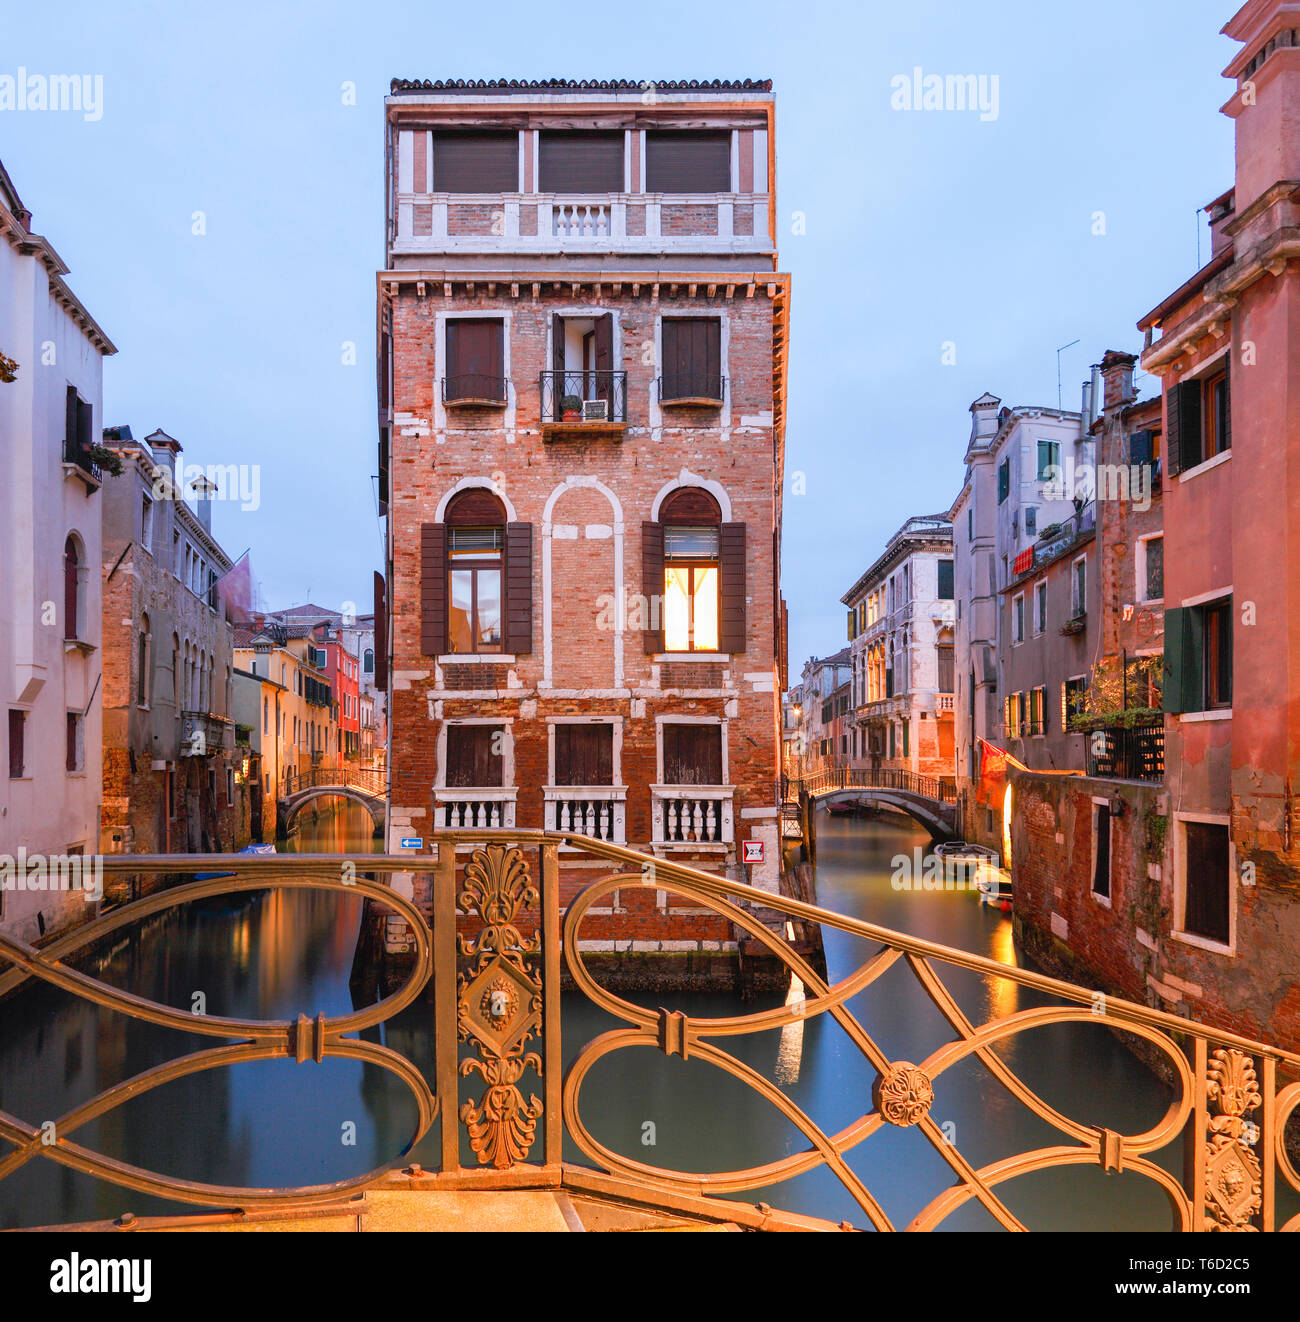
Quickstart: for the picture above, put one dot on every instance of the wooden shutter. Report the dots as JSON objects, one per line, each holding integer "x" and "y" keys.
{"x": 584, "y": 754}
{"x": 85, "y": 424}
{"x": 580, "y": 162}
{"x": 604, "y": 331}
{"x": 731, "y": 585}
{"x": 519, "y": 588}
{"x": 687, "y": 162}
{"x": 692, "y": 357}
{"x": 17, "y": 753}
{"x": 1225, "y": 441}
{"x": 1139, "y": 447}
{"x": 476, "y": 162}
{"x": 692, "y": 754}
{"x": 1178, "y": 620}
{"x": 1183, "y": 434}
{"x": 381, "y": 633}
{"x": 470, "y": 759}
{"x": 71, "y": 439}
{"x": 475, "y": 359}
{"x": 652, "y": 585}
{"x": 433, "y": 588}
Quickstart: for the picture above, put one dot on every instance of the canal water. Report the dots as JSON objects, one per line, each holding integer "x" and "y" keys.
{"x": 279, "y": 1123}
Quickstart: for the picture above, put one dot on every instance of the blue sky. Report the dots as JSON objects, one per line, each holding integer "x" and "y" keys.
{"x": 921, "y": 228}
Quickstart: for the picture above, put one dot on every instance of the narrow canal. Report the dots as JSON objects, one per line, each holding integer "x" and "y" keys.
{"x": 278, "y": 1123}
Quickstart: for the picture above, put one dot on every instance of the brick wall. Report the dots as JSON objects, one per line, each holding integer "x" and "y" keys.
{"x": 729, "y": 449}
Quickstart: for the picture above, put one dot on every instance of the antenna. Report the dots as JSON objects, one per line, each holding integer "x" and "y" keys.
{"x": 1059, "y": 352}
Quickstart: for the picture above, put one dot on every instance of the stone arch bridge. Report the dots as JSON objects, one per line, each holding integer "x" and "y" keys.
{"x": 364, "y": 785}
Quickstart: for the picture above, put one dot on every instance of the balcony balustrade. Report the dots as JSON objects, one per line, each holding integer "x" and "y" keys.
{"x": 598, "y": 811}
{"x": 474, "y": 809}
{"x": 548, "y": 222}
{"x": 691, "y": 815}
{"x": 203, "y": 734}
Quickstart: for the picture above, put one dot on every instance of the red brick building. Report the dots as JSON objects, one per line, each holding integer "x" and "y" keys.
{"x": 582, "y": 339}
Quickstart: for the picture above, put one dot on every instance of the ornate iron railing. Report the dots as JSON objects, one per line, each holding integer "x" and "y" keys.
{"x": 495, "y": 950}
{"x": 601, "y": 397}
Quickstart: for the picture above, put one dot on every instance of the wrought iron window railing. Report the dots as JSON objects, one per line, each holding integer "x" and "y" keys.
{"x": 692, "y": 388}
{"x": 474, "y": 388}
{"x": 1128, "y": 754}
{"x": 74, "y": 452}
{"x": 590, "y": 397}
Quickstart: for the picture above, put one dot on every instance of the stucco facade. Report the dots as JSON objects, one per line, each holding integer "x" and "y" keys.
{"x": 51, "y": 645}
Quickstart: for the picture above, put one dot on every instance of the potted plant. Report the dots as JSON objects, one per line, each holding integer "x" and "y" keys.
{"x": 109, "y": 460}
{"x": 571, "y": 408}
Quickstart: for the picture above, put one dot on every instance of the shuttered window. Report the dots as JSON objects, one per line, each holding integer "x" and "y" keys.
{"x": 1198, "y": 657}
{"x": 945, "y": 580}
{"x": 379, "y": 658}
{"x": 433, "y": 589}
{"x": 580, "y": 162}
{"x": 17, "y": 744}
{"x": 475, "y": 162}
{"x": 1207, "y": 891}
{"x": 687, "y": 162}
{"x": 652, "y": 586}
{"x": 692, "y": 754}
{"x": 475, "y": 360}
{"x": 474, "y": 756}
{"x": 692, "y": 359}
{"x": 1101, "y": 851}
{"x": 731, "y": 632}
{"x": 584, "y": 754}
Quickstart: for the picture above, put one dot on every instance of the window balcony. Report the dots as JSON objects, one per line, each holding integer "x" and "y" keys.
{"x": 692, "y": 390}
{"x": 598, "y": 811}
{"x": 474, "y": 809}
{"x": 475, "y": 390}
{"x": 691, "y": 816}
{"x": 578, "y": 404}
{"x": 203, "y": 734}
{"x": 77, "y": 462}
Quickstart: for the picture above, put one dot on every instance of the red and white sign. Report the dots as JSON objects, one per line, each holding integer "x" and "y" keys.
{"x": 753, "y": 851}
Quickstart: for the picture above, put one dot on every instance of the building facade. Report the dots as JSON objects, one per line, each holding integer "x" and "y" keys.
{"x": 581, "y": 375}
{"x": 168, "y": 665}
{"x": 901, "y": 626}
{"x": 51, "y": 392}
{"x": 819, "y": 715}
{"x": 1185, "y": 894}
{"x": 1024, "y": 576}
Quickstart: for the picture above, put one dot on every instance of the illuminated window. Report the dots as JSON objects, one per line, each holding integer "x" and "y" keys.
{"x": 475, "y": 542}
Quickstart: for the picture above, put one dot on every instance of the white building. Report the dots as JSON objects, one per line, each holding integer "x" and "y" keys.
{"x": 51, "y": 413}
{"x": 1023, "y": 466}
{"x": 901, "y": 637}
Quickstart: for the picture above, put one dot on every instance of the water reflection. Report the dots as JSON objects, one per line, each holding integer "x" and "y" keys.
{"x": 281, "y": 953}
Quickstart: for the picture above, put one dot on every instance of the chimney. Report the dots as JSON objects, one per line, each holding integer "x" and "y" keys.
{"x": 1266, "y": 101}
{"x": 1117, "y": 379}
{"x": 205, "y": 490}
{"x": 985, "y": 420}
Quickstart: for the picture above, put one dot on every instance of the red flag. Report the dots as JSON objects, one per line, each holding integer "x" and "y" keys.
{"x": 235, "y": 589}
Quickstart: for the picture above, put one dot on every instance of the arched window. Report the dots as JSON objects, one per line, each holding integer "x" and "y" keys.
{"x": 476, "y": 528}
{"x": 691, "y": 522}
{"x": 143, "y": 660}
{"x": 71, "y": 588}
{"x": 368, "y": 661}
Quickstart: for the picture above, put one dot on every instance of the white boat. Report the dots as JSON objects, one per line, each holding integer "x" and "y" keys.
{"x": 994, "y": 887}
{"x": 960, "y": 858}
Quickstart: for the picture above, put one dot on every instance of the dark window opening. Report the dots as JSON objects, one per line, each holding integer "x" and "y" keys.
{"x": 475, "y": 361}
{"x": 1207, "y": 872}
{"x": 17, "y": 744}
{"x": 1101, "y": 853}
{"x": 687, "y": 162}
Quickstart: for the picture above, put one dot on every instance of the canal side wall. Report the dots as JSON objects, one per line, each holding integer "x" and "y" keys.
{"x": 1127, "y": 945}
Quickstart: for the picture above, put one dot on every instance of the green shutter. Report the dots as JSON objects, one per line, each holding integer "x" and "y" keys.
{"x": 1183, "y": 680}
